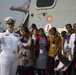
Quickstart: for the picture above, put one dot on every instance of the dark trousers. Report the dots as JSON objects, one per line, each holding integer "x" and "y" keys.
{"x": 51, "y": 62}
{"x": 41, "y": 71}
{"x": 56, "y": 64}
{"x": 69, "y": 70}
{"x": 22, "y": 70}
{"x": 74, "y": 71}
{"x": 74, "y": 68}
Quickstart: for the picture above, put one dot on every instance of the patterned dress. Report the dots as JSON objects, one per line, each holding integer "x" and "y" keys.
{"x": 42, "y": 57}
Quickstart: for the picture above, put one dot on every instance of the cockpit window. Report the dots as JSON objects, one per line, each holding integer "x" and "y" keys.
{"x": 45, "y": 3}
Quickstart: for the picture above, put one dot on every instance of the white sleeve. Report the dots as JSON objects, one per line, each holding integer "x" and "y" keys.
{"x": 70, "y": 41}
{"x": 20, "y": 45}
{"x": 21, "y": 48}
{"x": 0, "y": 48}
{"x": 1, "y": 40}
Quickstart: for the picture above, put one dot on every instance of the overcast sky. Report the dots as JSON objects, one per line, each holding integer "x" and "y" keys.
{"x": 5, "y": 11}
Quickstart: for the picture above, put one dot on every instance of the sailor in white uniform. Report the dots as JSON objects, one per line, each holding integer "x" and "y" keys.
{"x": 9, "y": 42}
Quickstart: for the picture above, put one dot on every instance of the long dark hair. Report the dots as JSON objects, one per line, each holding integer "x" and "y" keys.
{"x": 63, "y": 34}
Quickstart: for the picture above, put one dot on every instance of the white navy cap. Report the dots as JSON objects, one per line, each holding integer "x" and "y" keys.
{"x": 10, "y": 20}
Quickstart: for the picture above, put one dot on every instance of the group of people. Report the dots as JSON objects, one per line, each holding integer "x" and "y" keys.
{"x": 32, "y": 52}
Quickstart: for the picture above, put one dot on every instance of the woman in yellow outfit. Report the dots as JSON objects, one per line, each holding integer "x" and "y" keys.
{"x": 55, "y": 45}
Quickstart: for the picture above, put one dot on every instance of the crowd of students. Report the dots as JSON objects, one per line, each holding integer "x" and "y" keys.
{"x": 47, "y": 54}
{"x": 38, "y": 54}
